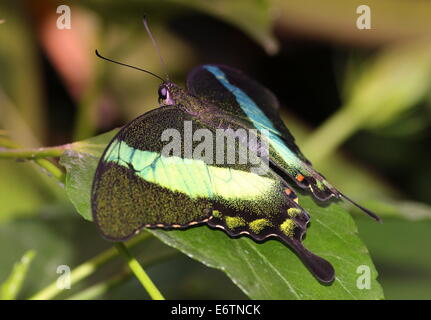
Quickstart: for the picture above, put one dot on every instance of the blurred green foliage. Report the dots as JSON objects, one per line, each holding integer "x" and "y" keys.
{"x": 366, "y": 91}
{"x": 11, "y": 287}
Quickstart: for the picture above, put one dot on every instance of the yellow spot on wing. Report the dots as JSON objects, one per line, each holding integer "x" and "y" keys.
{"x": 259, "y": 224}
{"x": 234, "y": 222}
{"x": 216, "y": 213}
{"x": 293, "y": 212}
{"x": 288, "y": 227}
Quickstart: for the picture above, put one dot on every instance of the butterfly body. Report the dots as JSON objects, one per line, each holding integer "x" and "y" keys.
{"x": 140, "y": 184}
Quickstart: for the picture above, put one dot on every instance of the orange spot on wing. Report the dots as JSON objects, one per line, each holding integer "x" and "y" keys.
{"x": 300, "y": 177}
{"x": 288, "y": 191}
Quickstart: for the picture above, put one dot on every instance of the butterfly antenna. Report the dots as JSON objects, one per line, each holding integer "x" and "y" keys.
{"x": 162, "y": 62}
{"x": 127, "y": 65}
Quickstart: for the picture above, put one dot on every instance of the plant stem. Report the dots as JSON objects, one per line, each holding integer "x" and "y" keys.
{"x": 36, "y": 154}
{"x": 104, "y": 286}
{"x": 140, "y": 273}
{"x": 52, "y": 169}
{"x": 32, "y": 153}
{"x": 86, "y": 269}
{"x": 325, "y": 139}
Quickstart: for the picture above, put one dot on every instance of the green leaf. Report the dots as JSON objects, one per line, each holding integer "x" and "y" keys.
{"x": 11, "y": 287}
{"x": 254, "y": 17}
{"x": 409, "y": 271}
{"x": 263, "y": 271}
{"x": 80, "y": 161}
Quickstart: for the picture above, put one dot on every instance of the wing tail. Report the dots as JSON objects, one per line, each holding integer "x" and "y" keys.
{"x": 320, "y": 267}
{"x": 369, "y": 212}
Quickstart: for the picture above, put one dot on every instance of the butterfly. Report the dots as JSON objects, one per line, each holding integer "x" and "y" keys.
{"x": 138, "y": 184}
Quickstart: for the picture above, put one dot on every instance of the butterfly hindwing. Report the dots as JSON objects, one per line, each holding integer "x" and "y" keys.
{"x": 142, "y": 181}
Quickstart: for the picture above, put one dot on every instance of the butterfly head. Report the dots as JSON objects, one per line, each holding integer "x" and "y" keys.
{"x": 169, "y": 94}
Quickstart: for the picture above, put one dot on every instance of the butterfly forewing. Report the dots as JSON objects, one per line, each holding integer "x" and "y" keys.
{"x": 240, "y": 96}
{"x": 231, "y": 90}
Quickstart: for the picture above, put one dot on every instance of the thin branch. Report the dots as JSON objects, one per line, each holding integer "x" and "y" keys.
{"x": 51, "y": 169}
{"x": 332, "y": 133}
{"x": 11, "y": 150}
{"x": 32, "y": 153}
{"x": 86, "y": 269}
{"x": 140, "y": 273}
{"x": 97, "y": 290}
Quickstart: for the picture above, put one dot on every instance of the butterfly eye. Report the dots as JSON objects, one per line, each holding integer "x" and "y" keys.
{"x": 165, "y": 96}
{"x": 163, "y": 93}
